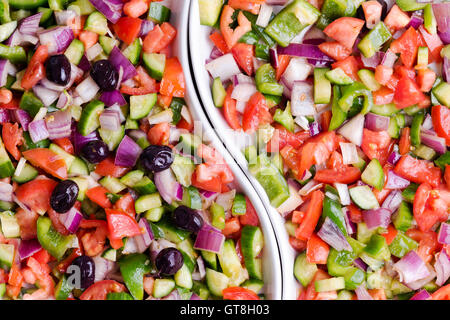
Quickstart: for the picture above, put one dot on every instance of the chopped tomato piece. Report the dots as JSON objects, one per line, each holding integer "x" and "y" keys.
{"x": 232, "y": 226}
{"x": 98, "y": 195}
{"x": 375, "y": 144}
{"x": 419, "y": 171}
{"x": 35, "y": 71}
{"x": 384, "y": 95}
{"x": 349, "y": 65}
{"x": 35, "y": 194}
{"x": 100, "y": 289}
{"x": 312, "y": 215}
{"x": 238, "y": 293}
{"x": 108, "y": 168}
{"x": 159, "y": 134}
{"x": 47, "y": 160}
{"x": 247, "y": 5}
{"x": 335, "y": 50}
{"x": 396, "y": 19}
{"x": 404, "y": 145}
{"x": 341, "y": 175}
{"x": 250, "y": 217}
{"x": 65, "y": 144}
{"x": 390, "y": 234}
{"x": 126, "y": 204}
{"x": 229, "y": 110}
{"x": 256, "y": 113}
{"x": 173, "y": 82}
{"x": 372, "y": 12}
{"x": 441, "y": 122}
{"x": 128, "y": 28}
{"x": 121, "y": 225}
{"x": 283, "y": 62}
{"x": 232, "y": 36}
{"x": 159, "y": 38}
{"x": 243, "y": 54}
{"x": 282, "y": 137}
{"x": 317, "y": 250}
{"x": 345, "y": 30}
{"x": 12, "y": 137}
{"x": 218, "y": 40}
{"x": 425, "y": 214}
{"x": 383, "y": 74}
{"x": 407, "y": 45}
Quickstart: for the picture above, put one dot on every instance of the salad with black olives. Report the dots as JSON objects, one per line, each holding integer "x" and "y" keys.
{"x": 105, "y": 192}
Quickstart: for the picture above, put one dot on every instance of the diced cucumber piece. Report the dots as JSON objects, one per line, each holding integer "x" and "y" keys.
{"x": 210, "y": 258}
{"x": 6, "y": 254}
{"x": 112, "y": 184}
{"x": 7, "y": 29}
{"x": 338, "y": 76}
{"x": 112, "y": 138}
{"x": 330, "y": 284}
{"x": 183, "y": 168}
{"x": 229, "y": 261}
{"x": 110, "y": 254}
{"x": 303, "y": 270}
{"x": 75, "y": 51}
{"x": 145, "y": 186}
{"x": 147, "y": 202}
{"x": 253, "y": 284}
{"x": 363, "y": 197}
{"x": 155, "y": 64}
{"x": 218, "y": 92}
{"x": 209, "y": 11}
{"x": 132, "y": 177}
{"x": 373, "y": 175}
{"x": 368, "y": 79}
{"x": 183, "y": 277}
{"x": 442, "y": 93}
{"x": 89, "y": 117}
{"x": 133, "y": 51}
{"x": 107, "y": 43}
{"x": 68, "y": 158}
{"x": 154, "y": 214}
{"x": 385, "y": 109}
{"x": 10, "y": 226}
{"x": 345, "y": 295}
{"x": 363, "y": 233}
{"x": 158, "y": 13}
{"x": 162, "y": 287}
{"x": 78, "y": 167}
{"x": 252, "y": 242}
{"x": 27, "y": 173}
{"x": 63, "y": 288}
{"x": 322, "y": 86}
{"x": 83, "y": 185}
{"x": 216, "y": 282}
{"x": 96, "y": 22}
{"x": 403, "y": 218}
{"x": 170, "y": 232}
{"x": 140, "y": 106}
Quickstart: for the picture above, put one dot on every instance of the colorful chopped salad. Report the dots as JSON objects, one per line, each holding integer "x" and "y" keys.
{"x": 349, "y": 103}
{"x": 104, "y": 191}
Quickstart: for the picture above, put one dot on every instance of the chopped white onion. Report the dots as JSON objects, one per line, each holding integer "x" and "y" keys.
{"x": 298, "y": 70}
{"x": 87, "y": 89}
{"x": 240, "y": 106}
{"x": 302, "y": 103}
{"x": 20, "y": 166}
{"x": 41, "y": 114}
{"x": 223, "y": 67}
{"x": 302, "y": 122}
{"x": 94, "y": 51}
{"x": 163, "y": 116}
{"x": 349, "y": 153}
{"x": 342, "y": 190}
{"x": 186, "y": 114}
{"x": 353, "y": 129}
{"x": 243, "y": 92}
{"x": 309, "y": 187}
{"x": 264, "y": 15}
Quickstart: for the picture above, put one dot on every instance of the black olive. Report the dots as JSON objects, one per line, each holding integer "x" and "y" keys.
{"x": 169, "y": 261}
{"x": 64, "y": 196}
{"x": 95, "y": 151}
{"x": 187, "y": 219}
{"x": 58, "y": 69}
{"x": 156, "y": 158}
{"x": 84, "y": 268}
{"x": 105, "y": 75}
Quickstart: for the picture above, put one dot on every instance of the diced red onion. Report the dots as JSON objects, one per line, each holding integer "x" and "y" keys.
{"x": 342, "y": 190}
{"x": 225, "y": 200}
{"x": 442, "y": 267}
{"x": 146, "y": 27}
{"x": 195, "y": 297}
{"x": 118, "y": 60}
{"x": 362, "y": 293}
{"x": 87, "y": 89}
{"x": 273, "y": 54}
{"x": 421, "y": 295}
{"x": 298, "y": 69}
{"x": 6, "y": 191}
{"x": 215, "y": 53}
{"x": 71, "y": 219}
{"x": 166, "y": 184}
{"x": 393, "y": 201}
{"x": 376, "y": 122}
{"x": 314, "y": 128}
{"x": 415, "y": 285}
{"x": 127, "y": 152}
{"x": 111, "y": 9}
{"x": 59, "y": 124}
{"x": 444, "y": 234}
{"x": 375, "y": 218}
{"x": 294, "y": 200}
{"x": 30, "y": 25}
{"x": 371, "y": 62}
{"x": 62, "y": 17}
{"x": 38, "y": 130}
{"x": 6, "y": 68}
{"x": 394, "y": 181}
{"x": 47, "y": 96}
{"x": 304, "y": 50}
{"x": 442, "y": 14}
{"x": 84, "y": 63}
{"x": 64, "y": 99}
{"x": 435, "y": 142}
{"x": 223, "y": 67}
{"x": 110, "y": 120}
{"x": 331, "y": 234}
{"x": 350, "y": 226}
{"x": 22, "y": 117}
{"x": 179, "y": 194}
{"x": 302, "y": 103}
{"x": 415, "y": 21}
{"x": 207, "y": 194}
{"x": 4, "y": 116}
{"x": 79, "y": 140}
{"x": 309, "y": 187}
{"x": 353, "y": 129}
{"x": 394, "y": 157}
{"x": 411, "y": 268}
{"x": 174, "y": 295}
{"x": 209, "y": 240}
{"x": 389, "y": 59}
{"x": 56, "y": 39}
{"x": 359, "y": 263}
{"x": 14, "y": 39}
{"x": 144, "y": 240}
{"x": 445, "y": 37}
{"x": 28, "y": 247}
{"x": 243, "y": 92}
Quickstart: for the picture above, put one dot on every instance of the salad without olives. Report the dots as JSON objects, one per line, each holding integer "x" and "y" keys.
{"x": 347, "y": 103}
{"x": 105, "y": 192}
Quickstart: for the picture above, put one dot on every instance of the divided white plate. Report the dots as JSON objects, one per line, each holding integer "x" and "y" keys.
{"x": 200, "y": 48}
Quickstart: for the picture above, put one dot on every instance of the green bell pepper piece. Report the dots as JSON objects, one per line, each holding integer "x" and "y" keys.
{"x": 249, "y": 38}
{"x": 409, "y": 193}
{"x": 217, "y": 216}
{"x": 63, "y": 288}
{"x": 372, "y": 42}
{"x": 14, "y": 54}
{"x": 443, "y": 160}
{"x": 285, "y": 118}
{"x": 4, "y": 12}
{"x": 401, "y": 245}
{"x": 51, "y": 240}
{"x": 337, "y": 115}
{"x": 377, "y": 248}
{"x": 266, "y": 81}
{"x": 415, "y": 128}
{"x": 259, "y": 31}
{"x": 333, "y": 210}
{"x": 30, "y": 103}
{"x": 239, "y": 207}
{"x": 119, "y": 296}
{"x": 291, "y": 20}
{"x": 404, "y": 217}
{"x": 339, "y": 262}
{"x": 133, "y": 267}
{"x": 353, "y": 91}
{"x": 262, "y": 51}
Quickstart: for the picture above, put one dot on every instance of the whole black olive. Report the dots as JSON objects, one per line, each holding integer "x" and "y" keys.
{"x": 84, "y": 268}
{"x": 95, "y": 151}
{"x": 105, "y": 75}
{"x": 157, "y": 158}
{"x": 58, "y": 69}
{"x": 187, "y": 219}
{"x": 64, "y": 196}
{"x": 169, "y": 261}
